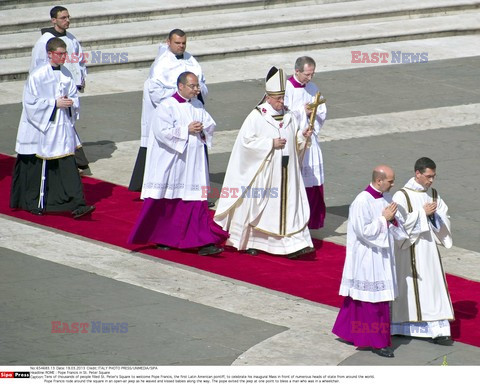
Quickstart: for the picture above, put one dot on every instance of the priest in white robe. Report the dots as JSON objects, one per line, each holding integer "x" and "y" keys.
{"x": 423, "y": 307}
{"x": 75, "y": 61}
{"x": 46, "y": 177}
{"x": 369, "y": 281}
{"x": 300, "y": 92}
{"x": 175, "y": 211}
{"x": 161, "y": 84}
{"x": 263, "y": 204}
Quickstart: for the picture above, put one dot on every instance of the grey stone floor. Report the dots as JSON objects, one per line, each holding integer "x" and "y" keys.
{"x": 167, "y": 330}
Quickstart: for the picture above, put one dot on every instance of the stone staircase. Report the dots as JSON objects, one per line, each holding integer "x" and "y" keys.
{"x": 120, "y": 34}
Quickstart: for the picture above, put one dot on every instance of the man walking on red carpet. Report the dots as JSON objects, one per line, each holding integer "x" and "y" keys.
{"x": 175, "y": 211}
{"x": 46, "y": 177}
{"x": 423, "y": 307}
{"x": 265, "y": 157}
{"x": 369, "y": 281}
{"x": 300, "y": 92}
{"x": 172, "y": 60}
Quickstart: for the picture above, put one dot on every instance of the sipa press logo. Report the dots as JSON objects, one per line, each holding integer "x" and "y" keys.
{"x": 14, "y": 375}
{"x": 393, "y": 57}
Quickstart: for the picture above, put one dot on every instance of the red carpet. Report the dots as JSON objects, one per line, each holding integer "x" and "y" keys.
{"x": 314, "y": 278}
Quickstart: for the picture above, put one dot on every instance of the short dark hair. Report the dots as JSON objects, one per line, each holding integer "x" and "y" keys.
{"x": 423, "y": 163}
{"x": 177, "y": 32}
{"x": 54, "y": 43}
{"x": 302, "y": 60}
{"x": 182, "y": 79}
{"x": 55, "y": 10}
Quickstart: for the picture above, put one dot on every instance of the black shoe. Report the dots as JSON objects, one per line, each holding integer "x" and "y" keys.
{"x": 82, "y": 211}
{"x": 442, "y": 340}
{"x": 384, "y": 352}
{"x": 304, "y": 251}
{"x": 37, "y": 212}
{"x": 293, "y": 256}
{"x": 85, "y": 171}
{"x": 252, "y": 251}
{"x": 163, "y": 247}
{"x": 210, "y": 250}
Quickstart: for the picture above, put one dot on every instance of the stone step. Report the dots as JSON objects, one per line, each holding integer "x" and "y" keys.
{"x": 17, "y": 4}
{"x": 155, "y": 31}
{"x": 125, "y": 11}
{"x": 301, "y": 40}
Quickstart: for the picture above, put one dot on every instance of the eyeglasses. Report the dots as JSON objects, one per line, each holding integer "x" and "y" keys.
{"x": 193, "y": 86}
{"x": 429, "y": 177}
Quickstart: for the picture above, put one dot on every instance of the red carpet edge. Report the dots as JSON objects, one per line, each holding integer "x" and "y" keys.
{"x": 312, "y": 277}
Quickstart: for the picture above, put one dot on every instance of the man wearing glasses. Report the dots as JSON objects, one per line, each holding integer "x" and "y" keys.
{"x": 75, "y": 62}
{"x": 423, "y": 307}
{"x": 161, "y": 84}
{"x": 175, "y": 210}
{"x": 60, "y": 19}
{"x": 45, "y": 177}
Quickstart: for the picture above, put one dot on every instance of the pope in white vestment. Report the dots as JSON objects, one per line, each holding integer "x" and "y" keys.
{"x": 160, "y": 85}
{"x": 263, "y": 204}
{"x": 369, "y": 279}
{"x": 299, "y": 92}
{"x": 175, "y": 211}
{"x": 423, "y": 307}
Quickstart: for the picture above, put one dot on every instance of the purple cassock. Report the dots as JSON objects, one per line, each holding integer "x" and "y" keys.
{"x": 176, "y": 223}
{"x": 317, "y": 206}
{"x": 361, "y": 323}
{"x": 364, "y": 324}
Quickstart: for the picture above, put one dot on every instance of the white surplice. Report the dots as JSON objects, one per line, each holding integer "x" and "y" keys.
{"x": 37, "y": 133}
{"x": 295, "y": 99}
{"x": 265, "y": 217}
{"x": 369, "y": 269}
{"x": 162, "y": 83}
{"x": 424, "y": 305}
{"x": 75, "y": 61}
{"x": 176, "y": 164}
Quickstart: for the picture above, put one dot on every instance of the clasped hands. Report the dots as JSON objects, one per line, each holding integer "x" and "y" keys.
{"x": 430, "y": 208}
{"x": 389, "y": 211}
{"x": 195, "y": 127}
{"x": 63, "y": 102}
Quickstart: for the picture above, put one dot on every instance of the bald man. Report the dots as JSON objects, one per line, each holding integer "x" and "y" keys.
{"x": 369, "y": 278}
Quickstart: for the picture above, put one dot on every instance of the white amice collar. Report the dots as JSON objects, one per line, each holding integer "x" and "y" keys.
{"x": 414, "y": 186}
